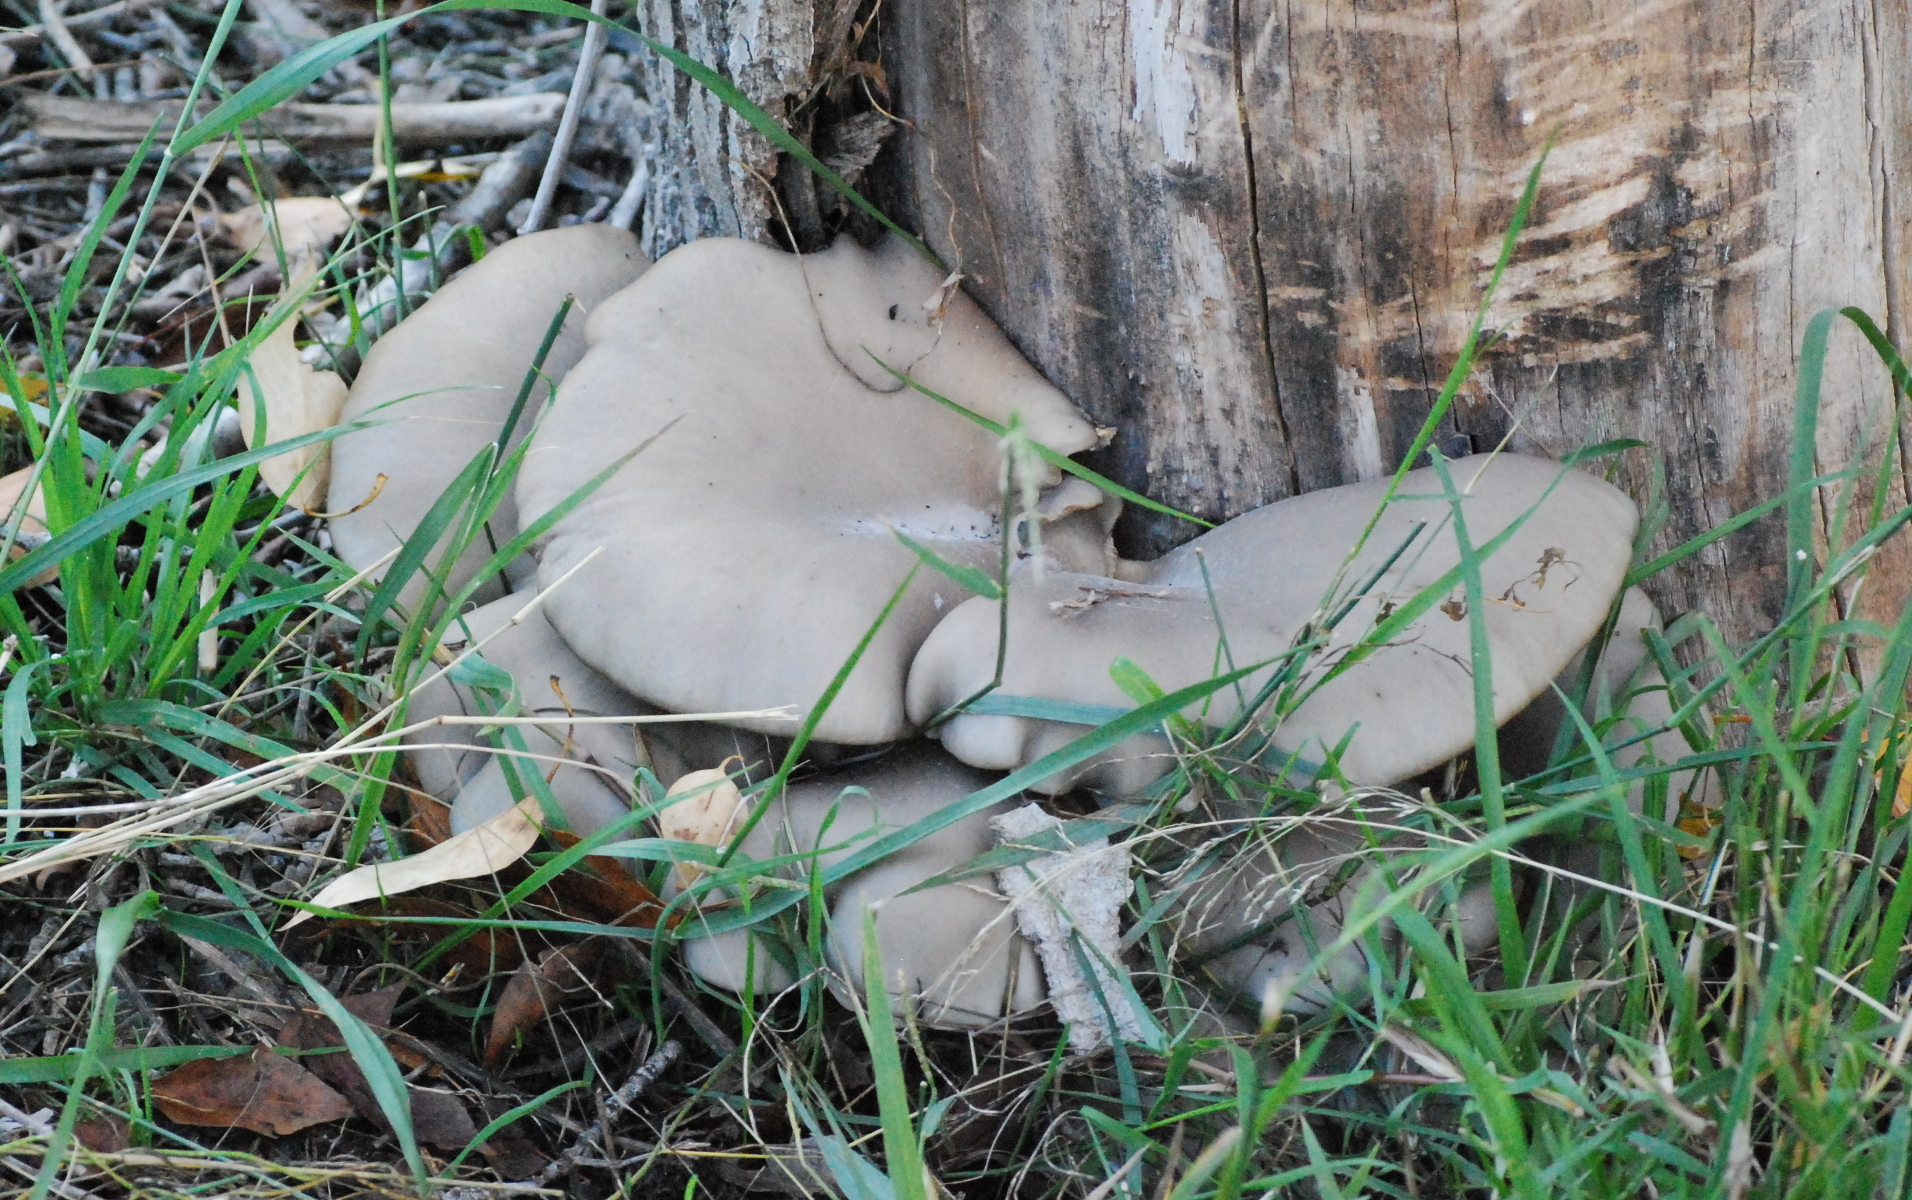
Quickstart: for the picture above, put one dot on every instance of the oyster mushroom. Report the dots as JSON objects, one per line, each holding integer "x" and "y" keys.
{"x": 443, "y": 384}
{"x": 749, "y": 548}
{"x": 1407, "y": 707}
{"x": 587, "y": 764}
{"x": 1266, "y": 916}
{"x": 956, "y": 945}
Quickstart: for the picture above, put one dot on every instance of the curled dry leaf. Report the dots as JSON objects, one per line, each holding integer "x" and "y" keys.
{"x": 32, "y": 518}
{"x": 295, "y": 399}
{"x": 702, "y": 807}
{"x": 534, "y": 991}
{"x": 483, "y": 850}
{"x": 264, "y": 1092}
{"x": 305, "y": 225}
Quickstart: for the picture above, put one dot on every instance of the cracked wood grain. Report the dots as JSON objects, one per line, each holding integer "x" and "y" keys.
{"x": 1251, "y": 234}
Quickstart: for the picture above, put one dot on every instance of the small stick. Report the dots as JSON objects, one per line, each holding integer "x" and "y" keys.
{"x": 624, "y": 212}
{"x": 568, "y": 123}
{"x": 92, "y": 17}
{"x": 63, "y": 39}
{"x": 621, "y": 1099}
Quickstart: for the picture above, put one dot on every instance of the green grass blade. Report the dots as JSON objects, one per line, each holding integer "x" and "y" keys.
{"x": 374, "y": 1060}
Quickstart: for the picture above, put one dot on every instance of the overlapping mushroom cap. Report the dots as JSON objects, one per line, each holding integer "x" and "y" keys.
{"x": 443, "y": 383}
{"x": 746, "y": 552}
{"x": 589, "y": 766}
{"x": 1407, "y": 707}
{"x": 956, "y": 945}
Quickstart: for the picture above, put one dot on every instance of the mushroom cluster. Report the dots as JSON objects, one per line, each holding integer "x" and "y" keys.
{"x": 732, "y": 488}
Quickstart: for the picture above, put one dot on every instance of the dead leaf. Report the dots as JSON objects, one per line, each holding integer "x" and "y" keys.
{"x": 264, "y": 1092}
{"x": 706, "y": 815}
{"x": 511, "y": 1154}
{"x": 437, "y": 1119}
{"x": 33, "y": 520}
{"x": 430, "y": 822}
{"x": 440, "y": 1119}
{"x": 485, "y": 850}
{"x": 1698, "y": 821}
{"x": 1422, "y": 1052}
{"x": 534, "y": 991}
{"x": 106, "y": 1134}
{"x": 604, "y": 888}
{"x": 297, "y": 400}
{"x": 484, "y": 952}
{"x": 305, "y": 225}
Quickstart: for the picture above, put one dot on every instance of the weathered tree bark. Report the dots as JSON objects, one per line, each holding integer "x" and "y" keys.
{"x": 1251, "y": 234}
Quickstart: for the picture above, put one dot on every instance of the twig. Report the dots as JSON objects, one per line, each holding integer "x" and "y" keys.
{"x": 106, "y": 12}
{"x": 568, "y": 123}
{"x": 621, "y": 1099}
{"x": 63, "y": 40}
{"x": 624, "y": 212}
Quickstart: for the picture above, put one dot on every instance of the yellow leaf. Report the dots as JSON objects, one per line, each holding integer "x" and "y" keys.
{"x": 706, "y": 806}
{"x": 305, "y": 224}
{"x": 487, "y": 849}
{"x": 32, "y": 520}
{"x": 296, "y": 400}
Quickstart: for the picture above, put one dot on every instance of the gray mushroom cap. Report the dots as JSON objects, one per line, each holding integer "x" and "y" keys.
{"x": 549, "y": 681}
{"x": 1408, "y": 705}
{"x": 1626, "y": 683}
{"x": 444, "y": 380}
{"x": 747, "y": 550}
{"x": 957, "y": 944}
{"x": 1268, "y": 916}
{"x": 552, "y": 682}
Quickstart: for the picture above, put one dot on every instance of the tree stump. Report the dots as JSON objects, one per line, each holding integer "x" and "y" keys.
{"x": 1252, "y": 235}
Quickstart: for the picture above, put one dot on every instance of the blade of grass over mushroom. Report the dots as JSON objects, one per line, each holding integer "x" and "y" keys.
{"x": 1104, "y": 737}
{"x": 902, "y": 1150}
{"x": 975, "y": 579}
{"x": 1003, "y": 704}
{"x": 1048, "y": 455}
{"x": 1513, "y": 946}
{"x": 531, "y": 376}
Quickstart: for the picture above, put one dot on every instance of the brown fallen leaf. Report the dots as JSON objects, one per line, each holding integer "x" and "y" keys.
{"x": 264, "y": 1092}
{"x": 534, "y": 991}
{"x": 430, "y": 822}
{"x": 294, "y": 399}
{"x": 484, "y": 850}
{"x": 604, "y": 888}
{"x": 484, "y": 952}
{"x": 106, "y": 1134}
{"x": 437, "y": 1119}
{"x": 32, "y": 518}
